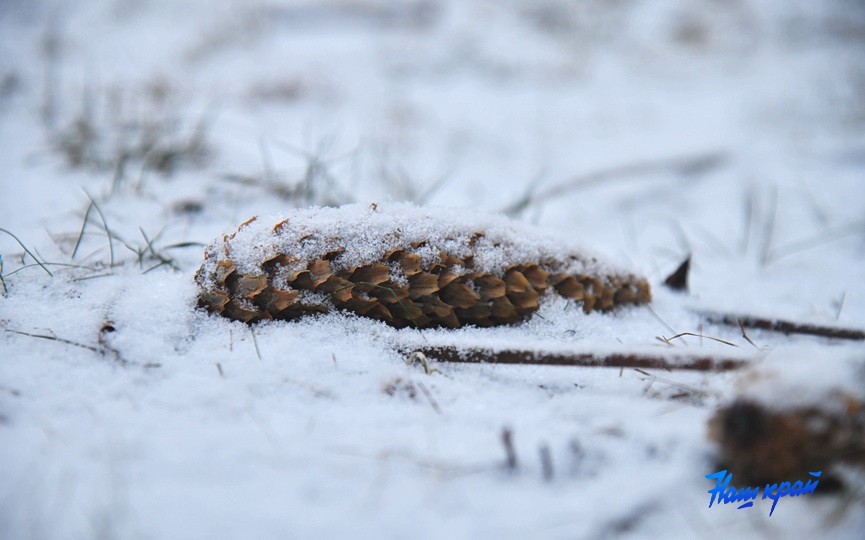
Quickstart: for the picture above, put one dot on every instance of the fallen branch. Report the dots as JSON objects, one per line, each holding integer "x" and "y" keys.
{"x": 780, "y": 325}
{"x": 665, "y": 361}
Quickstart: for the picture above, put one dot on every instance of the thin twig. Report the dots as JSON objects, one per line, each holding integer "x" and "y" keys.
{"x": 745, "y": 335}
{"x": 784, "y": 326}
{"x": 612, "y": 359}
{"x": 108, "y": 328}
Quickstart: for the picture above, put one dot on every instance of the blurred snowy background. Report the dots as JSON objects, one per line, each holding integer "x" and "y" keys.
{"x": 132, "y": 132}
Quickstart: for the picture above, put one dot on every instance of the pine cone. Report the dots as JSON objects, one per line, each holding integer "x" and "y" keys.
{"x": 403, "y": 265}
{"x": 762, "y": 445}
{"x": 798, "y": 410}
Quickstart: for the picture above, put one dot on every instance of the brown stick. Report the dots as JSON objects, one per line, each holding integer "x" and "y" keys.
{"x": 631, "y": 360}
{"x": 780, "y": 325}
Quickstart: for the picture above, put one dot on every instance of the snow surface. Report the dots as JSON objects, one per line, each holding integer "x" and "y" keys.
{"x": 364, "y": 234}
{"x": 645, "y": 131}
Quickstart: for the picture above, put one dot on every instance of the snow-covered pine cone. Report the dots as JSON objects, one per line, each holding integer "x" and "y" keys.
{"x": 790, "y": 416}
{"x": 404, "y": 265}
{"x": 762, "y": 445}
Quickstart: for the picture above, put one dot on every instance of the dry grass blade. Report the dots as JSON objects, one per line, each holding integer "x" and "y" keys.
{"x": 85, "y": 278}
{"x": 3, "y": 281}
{"x": 255, "y": 342}
{"x": 83, "y": 227}
{"x": 55, "y": 338}
{"x": 683, "y": 165}
{"x": 719, "y": 340}
{"x": 28, "y": 252}
{"x": 163, "y": 260}
{"x": 684, "y": 390}
{"x": 26, "y": 266}
{"x": 420, "y": 357}
{"x": 429, "y": 397}
{"x": 104, "y": 224}
{"x": 828, "y": 236}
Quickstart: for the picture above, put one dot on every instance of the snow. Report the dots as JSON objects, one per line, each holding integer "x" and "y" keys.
{"x": 787, "y": 379}
{"x": 365, "y": 234}
{"x": 135, "y": 415}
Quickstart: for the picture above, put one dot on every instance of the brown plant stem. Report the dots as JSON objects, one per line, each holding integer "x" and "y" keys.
{"x": 784, "y": 326}
{"x": 665, "y": 361}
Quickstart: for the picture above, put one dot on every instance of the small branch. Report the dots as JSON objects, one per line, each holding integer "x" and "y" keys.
{"x": 784, "y": 326}
{"x": 667, "y": 361}
{"x": 745, "y": 335}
